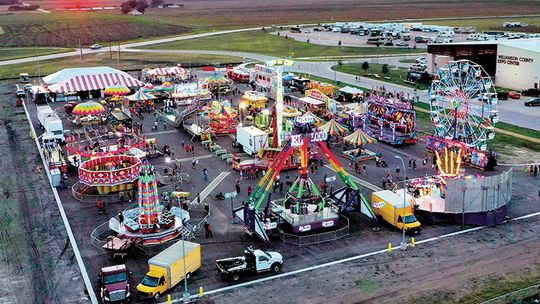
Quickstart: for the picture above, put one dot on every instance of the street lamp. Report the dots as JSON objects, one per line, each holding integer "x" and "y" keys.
{"x": 403, "y": 244}
{"x": 186, "y": 295}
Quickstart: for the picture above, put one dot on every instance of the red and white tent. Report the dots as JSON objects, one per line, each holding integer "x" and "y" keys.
{"x": 87, "y": 79}
{"x": 175, "y": 70}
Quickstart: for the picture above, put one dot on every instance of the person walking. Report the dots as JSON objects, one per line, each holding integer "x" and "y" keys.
{"x": 249, "y": 190}
{"x": 364, "y": 170}
{"x": 414, "y": 164}
{"x": 237, "y": 186}
{"x": 172, "y": 152}
{"x": 410, "y": 163}
{"x": 193, "y": 162}
{"x": 121, "y": 218}
{"x": 183, "y": 143}
{"x": 101, "y": 206}
{"x": 205, "y": 174}
{"x": 206, "y": 208}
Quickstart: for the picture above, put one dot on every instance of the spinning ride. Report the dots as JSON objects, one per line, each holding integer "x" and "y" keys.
{"x": 390, "y": 120}
{"x": 110, "y": 173}
{"x": 150, "y": 221}
{"x": 463, "y": 108}
{"x": 303, "y": 209}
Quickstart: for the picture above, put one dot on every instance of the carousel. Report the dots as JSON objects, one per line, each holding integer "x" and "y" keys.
{"x": 357, "y": 139}
{"x": 110, "y": 174}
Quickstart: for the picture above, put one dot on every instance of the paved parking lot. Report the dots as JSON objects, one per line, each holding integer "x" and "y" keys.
{"x": 230, "y": 240}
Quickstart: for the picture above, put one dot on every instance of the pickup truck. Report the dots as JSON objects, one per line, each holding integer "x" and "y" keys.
{"x": 253, "y": 261}
{"x": 113, "y": 284}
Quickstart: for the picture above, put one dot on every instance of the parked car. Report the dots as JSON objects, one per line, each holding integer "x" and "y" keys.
{"x": 402, "y": 43}
{"x": 95, "y": 47}
{"x": 420, "y": 39}
{"x": 531, "y": 92}
{"x": 502, "y": 95}
{"x": 532, "y": 102}
{"x": 514, "y": 95}
{"x": 317, "y": 29}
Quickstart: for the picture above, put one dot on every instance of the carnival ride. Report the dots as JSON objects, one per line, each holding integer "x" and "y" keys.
{"x": 110, "y": 173}
{"x": 357, "y": 139}
{"x": 150, "y": 222}
{"x": 463, "y": 108}
{"x": 303, "y": 209}
{"x": 92, "y": 142}
{"x": 88, "y": 113}
{"x": 390, "y": 120}
{"x": 450, "y": 196}
{"x": 223, "y": 119}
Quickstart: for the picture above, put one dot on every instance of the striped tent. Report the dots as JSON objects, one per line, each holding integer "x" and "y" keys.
{"x": 141, "y": 95}
{"x": 333, "y": 128}
{"x": 317, "y": 120}
{"x": 88, "y": 79}
{"x": 358, "y": 138}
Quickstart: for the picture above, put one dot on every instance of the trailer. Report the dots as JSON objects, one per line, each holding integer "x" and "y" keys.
{"x": 251, "y": 139}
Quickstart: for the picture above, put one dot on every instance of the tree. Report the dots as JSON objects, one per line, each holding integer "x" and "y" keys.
{"x": 365, "y": 66}
{"x": 385, "y": 69}
{"x": 125, "y": 8}
{"x": 141, "y": 5}
{"x": 339, "y": 43}
{"x": 156, "y": 3}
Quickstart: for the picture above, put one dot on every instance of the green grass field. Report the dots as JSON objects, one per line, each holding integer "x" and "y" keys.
{"x": 501, "y": 141}
{"x": 66, "y": 28}
{"x": 396, "y": 76}
{"x": 279, "y": 46}
{"x": 127, "y": 61}
{"x": 16, "y": 53}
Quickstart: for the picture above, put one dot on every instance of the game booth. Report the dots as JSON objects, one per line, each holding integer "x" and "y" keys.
{"x": 390, "y": 120}
{"x": 186, "y": 93}
{"x": 315, "y": 101}
{"x": 254, "y": 100}
{"x": 164, "y": 74}
{"x": 263, "y": 79}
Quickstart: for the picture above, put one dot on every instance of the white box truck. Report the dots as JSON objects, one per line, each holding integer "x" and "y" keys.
{"x": 50, "y": 122}
{"x": 251, "y": 138}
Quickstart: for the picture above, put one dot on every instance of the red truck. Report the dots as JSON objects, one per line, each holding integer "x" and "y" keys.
{"x": 114, "y": 285}
{"x": 238, "y": 75}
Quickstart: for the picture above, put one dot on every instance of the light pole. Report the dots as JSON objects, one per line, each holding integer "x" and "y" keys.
{"x": 186, "y": 296}
{"x": 403, "y": 244}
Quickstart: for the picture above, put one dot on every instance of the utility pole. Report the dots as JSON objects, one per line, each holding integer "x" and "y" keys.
{"x": 110, "y": 50}
{"x": 118, "y": 63}
{"x": 80, "y": 49}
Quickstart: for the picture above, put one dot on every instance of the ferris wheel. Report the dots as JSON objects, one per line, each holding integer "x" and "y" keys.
{"x": 463, "y": 104}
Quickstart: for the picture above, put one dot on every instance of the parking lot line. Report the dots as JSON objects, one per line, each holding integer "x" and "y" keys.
{"x": 160, "y": 132}
{"x": 349, "y": 259}
{"x": 197, "y": 157}
{"x": 360, "y": 181}
{"x": 206, "y": 191}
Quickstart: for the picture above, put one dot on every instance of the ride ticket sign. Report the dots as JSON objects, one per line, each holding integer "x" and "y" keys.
{"x": 297, "y": 140}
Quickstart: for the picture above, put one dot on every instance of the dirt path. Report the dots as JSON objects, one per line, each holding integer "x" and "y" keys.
{"x": 443, "y": 271}
{"x": 35, "y": 262}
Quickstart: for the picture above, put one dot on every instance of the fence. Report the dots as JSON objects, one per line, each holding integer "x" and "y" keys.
{"x": 316, "y": 238}
{"x": 517, "y": 296}
{"x": 77, "y": 192}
